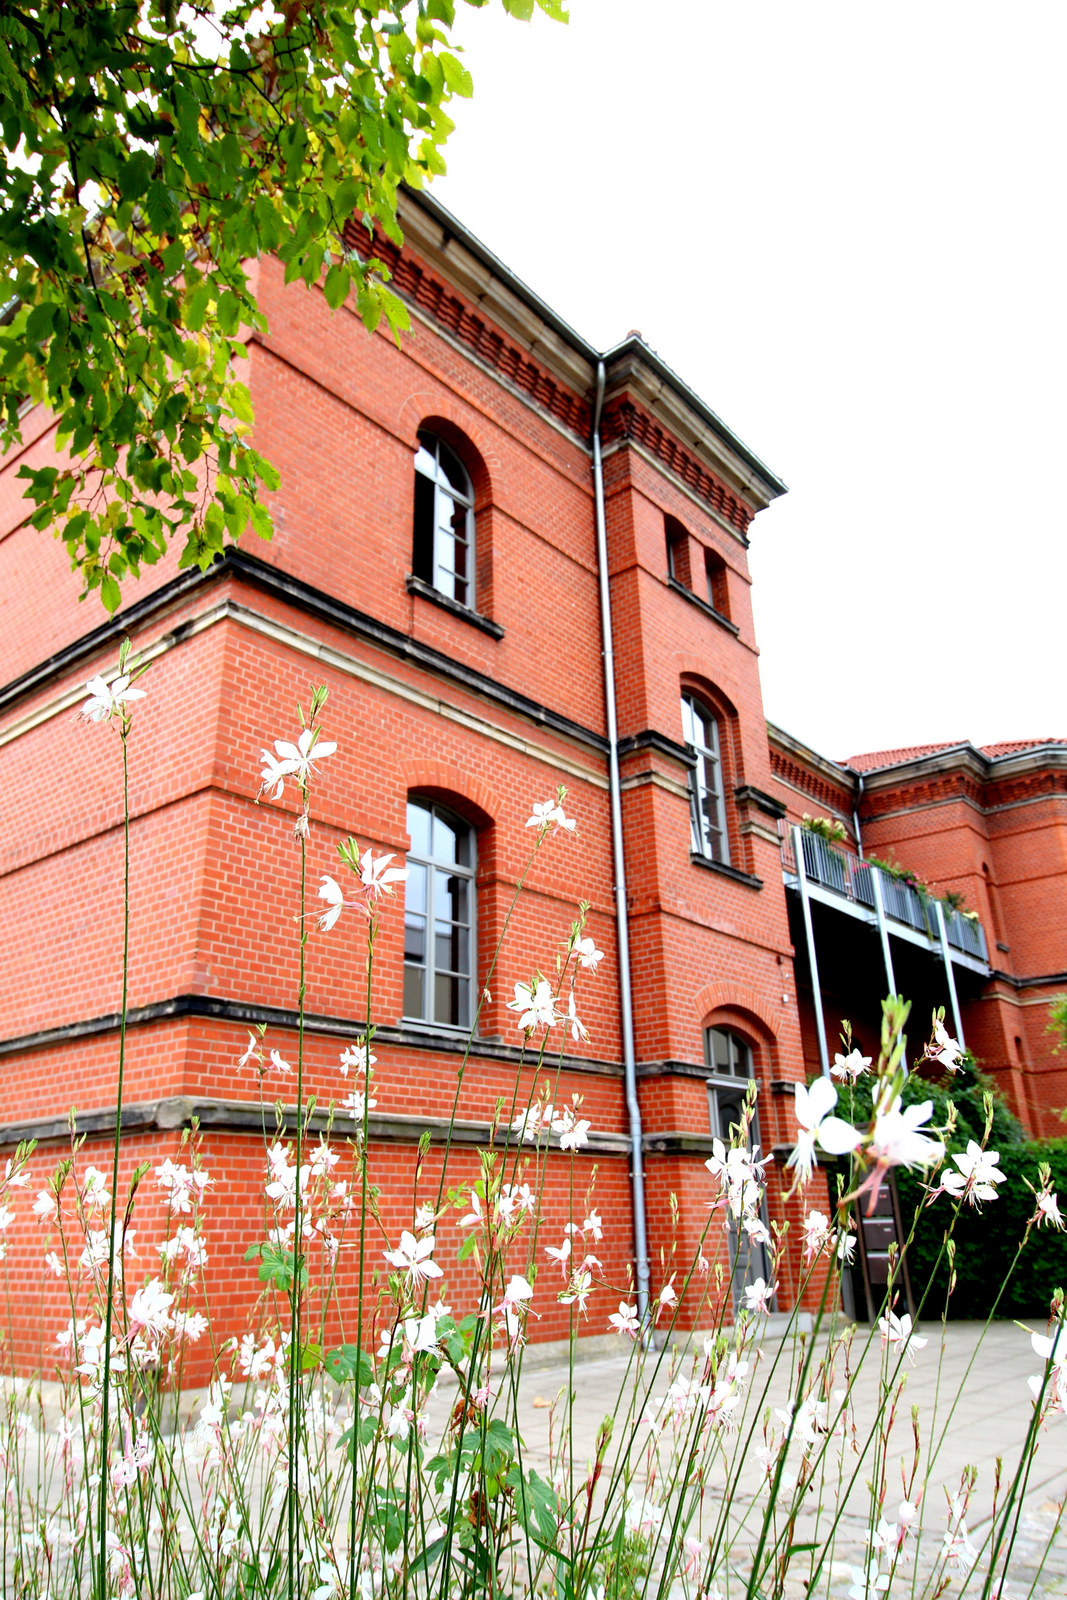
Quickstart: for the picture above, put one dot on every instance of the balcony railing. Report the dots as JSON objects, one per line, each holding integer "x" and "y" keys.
{"x": 852, "y": 878}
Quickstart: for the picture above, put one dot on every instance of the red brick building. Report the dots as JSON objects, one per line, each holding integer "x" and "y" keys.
{"x": 436, "y": 565}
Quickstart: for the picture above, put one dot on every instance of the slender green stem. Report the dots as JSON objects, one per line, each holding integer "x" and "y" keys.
{"x": 110, "y": 1297}
{"x": 295, "y": 1386}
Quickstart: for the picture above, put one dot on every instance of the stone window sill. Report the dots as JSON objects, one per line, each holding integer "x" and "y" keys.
{"x": 702, "y": 605}
{"x": 427, "y": 592}
{"x": 734, "y": 873}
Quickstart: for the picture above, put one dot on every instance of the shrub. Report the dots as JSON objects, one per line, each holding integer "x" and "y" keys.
{"x": 987, "y": 1239}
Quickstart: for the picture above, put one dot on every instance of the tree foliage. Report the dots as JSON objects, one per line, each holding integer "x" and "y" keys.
{"x": 151, "y": 153}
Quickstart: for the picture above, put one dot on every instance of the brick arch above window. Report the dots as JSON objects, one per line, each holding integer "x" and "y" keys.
{"x": 437, "y": 414}
{"x": 738, "y": 1006}
{"x": 452, "y": 786}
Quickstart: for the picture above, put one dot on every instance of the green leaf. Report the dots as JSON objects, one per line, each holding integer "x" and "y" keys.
{"x": 336, "y": 286}
{"x": 348, "y": 1364}
{"x": 110, "y": 593}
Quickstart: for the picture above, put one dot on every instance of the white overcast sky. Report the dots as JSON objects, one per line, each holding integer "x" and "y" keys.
{"x": 843, "y": 224}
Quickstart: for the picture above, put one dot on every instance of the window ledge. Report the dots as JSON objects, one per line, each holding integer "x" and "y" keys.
{"x": 702, "y": 605}
{"x": 427, "y": 591}
{"x": 445, "y": 1030}
{"x": 735, "y": 873}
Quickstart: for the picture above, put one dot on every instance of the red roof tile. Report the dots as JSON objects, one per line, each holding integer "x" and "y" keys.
{"x": 873, "y": 759}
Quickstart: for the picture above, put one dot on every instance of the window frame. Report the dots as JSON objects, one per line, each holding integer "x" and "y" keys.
{"x": 428, "y": 968}
{"x": 440, "y": 577}
{"x": 708, "y": 759}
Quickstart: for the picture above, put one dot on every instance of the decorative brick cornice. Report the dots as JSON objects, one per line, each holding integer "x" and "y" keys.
{"x": 793, "y": 773}
{"x": 624, "y": 421}
{"x": 439, "y": 300}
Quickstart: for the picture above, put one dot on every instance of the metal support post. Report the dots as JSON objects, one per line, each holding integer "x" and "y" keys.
{"x": 883, "y": 931}
{"x": 813, "y": 965}
{"x": 946, "y": 957}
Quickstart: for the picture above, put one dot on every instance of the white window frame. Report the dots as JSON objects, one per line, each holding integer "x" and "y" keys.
{"x": 442, "y": 574}
{"x": 428, "y": 967}
{"x": 706, "y": 787}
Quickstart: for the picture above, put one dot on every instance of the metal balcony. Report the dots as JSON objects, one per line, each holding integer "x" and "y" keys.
{"x": 836, "y": 877}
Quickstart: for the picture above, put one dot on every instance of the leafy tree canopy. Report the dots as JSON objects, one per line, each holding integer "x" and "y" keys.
{"x": 151, "y": 152}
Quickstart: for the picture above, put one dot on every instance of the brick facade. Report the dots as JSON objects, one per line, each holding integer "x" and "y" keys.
{"x": 483, "y": 709}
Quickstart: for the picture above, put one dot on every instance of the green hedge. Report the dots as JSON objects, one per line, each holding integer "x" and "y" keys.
{"x": 986, "y": 1241}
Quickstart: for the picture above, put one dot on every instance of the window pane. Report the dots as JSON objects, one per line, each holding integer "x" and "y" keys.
{"x": 422, "y": 540}
{"x": 450, "y": 897}
{"x": 415, "y": 888}
{"x": 444, "y": 839}
{"x": 452, "y": 470}
{"x": 418, "y": 820}
{"x": 415, "y": 939}
{"x": 413, "y": 987}
{"x": 450, "y": 999}
{"x": 719, "y": 1049}
{"x": 424, "y": 456}
{"x": 451, "y": 948}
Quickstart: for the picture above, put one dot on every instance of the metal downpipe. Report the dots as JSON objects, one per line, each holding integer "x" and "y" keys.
{"x": 622, "y": 921}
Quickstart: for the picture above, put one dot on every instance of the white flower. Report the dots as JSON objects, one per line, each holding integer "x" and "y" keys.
{"x": 756, "y": 1230}
{"x": 357, "y": 1105}
{"x": 107, "y": 699}
{"x": 531, "y": 1124}
{"x": 588, "y": 954}
{"x": 561, "y": 1255}
{"x": 957, "y": 1549}
{"x": 850, "y": 1067}
{"x": 356, "y": 1057}
{"x": 897, "y": 1142}
{"x": 868, "y": 1582}
{"x": 816, "y": 1233}
{"x": 1048, "y": 1210}
{"x": 44, "y": 1207}
{"x": 897, "y": 1331}
{"x": 593, "y": 1226}
{"x": 294, "y": 760}
{"x": 517, "y": 1291}
{"x": 547, "y": 812}
{"x": 625, "y": 1320}
{"x": 537, "y": 1004}
{"x": 330, "y": 891}
{"x": 573, "y": 1134}
{"x": 977, "y": 1175}
{"x": 578, "y": 1029}
{"x": 668, "y": 1295}
{"x": 1053, "y": 1351}
{"x": 377, "y": 876}
{"x": 948, "y": 1052}
{"x": 641, "y": 1516}
{"x": 579, "y": 1288}
{"x": 149, "y": 1308}
{"x": 190, "y": 1326}
{"x": 278, "y": 1062}
{"x": 253, "y": 1049}
{"x": 757, "y": 1296}
{"x": 813, "y": 1107}
{"x": 413, "y": 1256}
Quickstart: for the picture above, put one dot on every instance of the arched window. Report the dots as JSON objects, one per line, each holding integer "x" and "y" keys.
{"x": 728, "y": 1058}
{"x": 438, "y": 916}
{"x": 700, "y": 729}
{"x": 443, "y": 547}
{"x": 729, "y": 1062}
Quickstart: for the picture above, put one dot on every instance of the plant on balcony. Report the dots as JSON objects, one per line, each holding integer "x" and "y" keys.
{"x": 893, "y": 869}
{"x": 828, "y": 828}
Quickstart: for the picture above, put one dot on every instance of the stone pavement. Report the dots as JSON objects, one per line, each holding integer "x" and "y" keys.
{"x": 989, "y": 1420}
